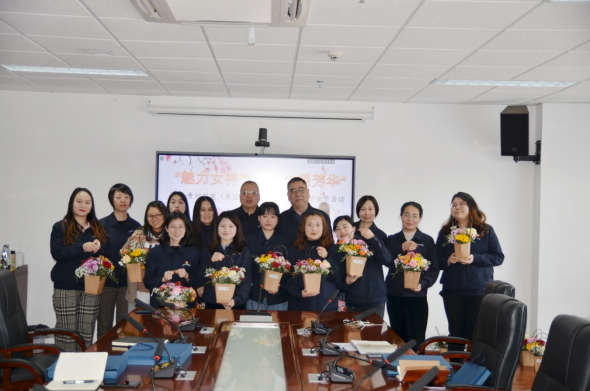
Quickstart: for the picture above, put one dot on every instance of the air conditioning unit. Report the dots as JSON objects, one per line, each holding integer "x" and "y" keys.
{"x": 275, "y": 13}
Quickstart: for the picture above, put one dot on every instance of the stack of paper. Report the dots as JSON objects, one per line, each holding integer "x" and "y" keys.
{"x": 424, "y": 365}
{"x": 373, "y": 347}
{"x": 439, "y": 361}
{"x": 114, "y": 368}
{"x": 79, "y": 371}
{"x": 143, "y": 353}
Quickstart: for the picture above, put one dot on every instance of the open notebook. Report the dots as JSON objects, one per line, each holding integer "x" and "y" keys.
{"x": 79, "y": 371}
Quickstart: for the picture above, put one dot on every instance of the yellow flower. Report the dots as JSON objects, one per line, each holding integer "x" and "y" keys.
{"x": 462, "y": 238}
{"x": 136, "y": 252}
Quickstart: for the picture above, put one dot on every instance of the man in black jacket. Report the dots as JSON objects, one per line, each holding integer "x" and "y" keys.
{"x": 248, "y": 210}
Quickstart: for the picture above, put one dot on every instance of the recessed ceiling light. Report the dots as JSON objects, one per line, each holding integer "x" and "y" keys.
{"x": 78, "y": 71}
{"x": 98, "y": 52}
{"x": 503, "y": 83}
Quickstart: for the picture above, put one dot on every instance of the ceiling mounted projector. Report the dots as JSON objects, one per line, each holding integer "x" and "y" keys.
{"x": 275, "y": 13}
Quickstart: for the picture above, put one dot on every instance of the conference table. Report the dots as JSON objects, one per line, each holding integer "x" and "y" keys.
{"x": 296, "y": 365}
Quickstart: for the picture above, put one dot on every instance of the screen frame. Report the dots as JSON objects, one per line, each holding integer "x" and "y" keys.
{"x": 353, "y": 158}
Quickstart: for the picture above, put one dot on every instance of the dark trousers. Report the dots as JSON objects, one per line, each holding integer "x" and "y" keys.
{"x": 408, "y": 317}
{"x": 462, "y": 313}
{"x": 379, "y": 308}
{"x": 215, "y": 306}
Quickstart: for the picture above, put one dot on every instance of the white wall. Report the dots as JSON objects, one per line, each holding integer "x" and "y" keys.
{"x": 52, "y": 143}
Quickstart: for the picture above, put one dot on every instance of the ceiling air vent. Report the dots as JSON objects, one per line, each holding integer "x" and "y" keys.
{"x": 275, "y": 13}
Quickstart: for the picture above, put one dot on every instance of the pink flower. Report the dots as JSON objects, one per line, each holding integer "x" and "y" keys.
{"x": 413, "y": 263}
{"x": 323, "y": 266}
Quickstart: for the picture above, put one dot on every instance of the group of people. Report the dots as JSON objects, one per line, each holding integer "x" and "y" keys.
{"x": 181, "y": 249}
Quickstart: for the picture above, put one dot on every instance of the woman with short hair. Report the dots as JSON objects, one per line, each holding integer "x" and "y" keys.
{"x": 367, "y": 209}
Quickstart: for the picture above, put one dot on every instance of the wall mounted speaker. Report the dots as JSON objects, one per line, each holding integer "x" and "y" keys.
{"x": 514, "y": 125}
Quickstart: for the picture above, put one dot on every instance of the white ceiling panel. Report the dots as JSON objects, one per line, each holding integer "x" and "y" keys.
{"x": 349, "y": 54}
{"x": 445, "y": 95}
{"x": 474, "y": 15}
{"x": 583, "y": 87}
{"x": 212, "y": 94}
{"x": 315, "y": 97}
{"x": 423, "y": 56}
{"x": 397, "y": 93}
{"x": 360, "y": 36}
{"x": 508, "y": 58}
{"x": 265, "y": 67}
{"x": 179, "y": 64}
{"x": 462, "y": 88}
{"x": 78, "y": 45}
{"x": 573, "y": 59}
{"x": 323, "y": 91}
{"x": 328, "y": 81}
{"x": 138, "y": 92}
{"x": 568, "y": 15}
{"x": 556, "y": 74}
{"x": 77, "y": 91}
{"x": 395, "y": 82}
{"x": 495, "y": 95}
{"x": 257, "y": 89}
{"x": 283, "y": 95}
{"x": 47, "y": 7}
{"x": 14, "y": 81}
{"x": 573, "y": 97}
{"x": 141, "y": 30}
{"x": 31, "y": 88}
{"x": 376, "y": 99}
{"x": 5, "y": 29}
{"x": 113, "y": 8}
{"x": 331, "y": 69}
{"x": 483, "y": 73}
{"x": 132, "y": 85}
{"x": 253, "y": 78}
{"x": 234, "y": 51}
{"x": 368, "y": 13}
{"x": 69, "y": 82}
{"x": 411, "y": 71}
{"x": 431, "y": 38}
{"x": 536, "y": 90}
{"x": 538, "y": 40}
{"x": 194, "y": 87}
{"x": 167, "y": 49}
{"x": 585, "y": 47}
{"x": 103, "y": 62}
{"x": 263, "y": 35}
{"x": 18, "y": 43}
{"x": 6, "y": 72}
{"x": 30, "y": 59}
{"x": 56, "y": 26}
{"x": 187, "y": 77}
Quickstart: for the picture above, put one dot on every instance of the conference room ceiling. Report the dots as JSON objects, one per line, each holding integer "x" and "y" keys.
{"x": 392, "y": 51}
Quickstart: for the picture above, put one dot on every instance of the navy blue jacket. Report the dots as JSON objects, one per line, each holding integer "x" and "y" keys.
{"x": 163, "y": 258}
{"x": 117, "y": 234}
{"x": 259, "y": 245}
{"x": 250, "y": 223}
{"x": 382, "y": 236}
{"x": 289, "y": 222}
{"x": 369, "y": 289}
{"x": 69, "y": 258}
{"x": 328, "y": 285}
{"x": 470, "y": 280}
{"x": 206, "y": 236}
{"x": 243, "y": 259}
{"x": 426, "y": 247}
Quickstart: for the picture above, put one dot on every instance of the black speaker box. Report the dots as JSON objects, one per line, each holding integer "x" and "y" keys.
{"x": 514, "y": 125}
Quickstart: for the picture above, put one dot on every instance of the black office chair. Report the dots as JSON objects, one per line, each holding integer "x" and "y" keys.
{"x": 499, "y": 287}
{"x": 19, "y": 368}
{"x": 497, "y": 336}
{"x": 566, "y": 362}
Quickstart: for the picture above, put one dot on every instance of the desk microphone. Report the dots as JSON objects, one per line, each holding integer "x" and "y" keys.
{"x": 316, "y": 326}
{"x": 187, "y": 327}
{"x": 332, "y": 350}
{"x": 182, "y": 339}
{"x": 424, "y": 380}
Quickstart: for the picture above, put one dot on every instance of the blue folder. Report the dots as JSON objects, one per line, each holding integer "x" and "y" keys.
{"x": 143, "y": 353}
{"x": 115, "y": 367}
{"x": 472, "y": 374}
{"x": 440, "y": 359}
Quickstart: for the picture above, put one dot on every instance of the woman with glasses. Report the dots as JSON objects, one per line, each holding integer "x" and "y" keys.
{"x": 367, "y": 210}
{"x": 464, "y": 279}
{"x": 146, "y": 237}
{"x": 408, "y": 308}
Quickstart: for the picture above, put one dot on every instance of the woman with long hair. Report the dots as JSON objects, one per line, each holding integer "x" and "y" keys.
{"x": 77, "y": 237}
{"x": 175, "y": 259}
{"x": 204, "y": 213}
{"x": 313, "y": 240}
{"x": 228, "y": 248}
{"x": 146, "y": 237}
{"x": 464, "y": 280}
{"x": 177, "y": 202}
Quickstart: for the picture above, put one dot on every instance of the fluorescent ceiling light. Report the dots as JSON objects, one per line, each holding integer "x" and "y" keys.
{"x": 503, "y": 83}
{"x": 77, "y": 71}
{"x": 568, "y": 1}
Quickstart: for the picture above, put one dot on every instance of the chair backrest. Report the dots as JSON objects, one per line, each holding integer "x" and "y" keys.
{"x": 498, "y": 337}
{"x": 13, "y": 322}
{"x": 566, "y": 362}
{"x": 499, "y": 287}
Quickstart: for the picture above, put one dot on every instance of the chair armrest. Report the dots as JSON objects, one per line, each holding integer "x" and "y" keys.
{"x": 442, "y": 338}
{"x": 467, "y": 387}
{"x": 29, "y": 347}
{"x": 456, "y": 365}
{"x": 77, "y": 337}
{"x": 35, "y": 370}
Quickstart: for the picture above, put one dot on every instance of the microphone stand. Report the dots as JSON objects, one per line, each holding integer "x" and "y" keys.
{"x": 331, "y": 350}
{"x": 257, "y": 312}
{"x": 316, "y": 326}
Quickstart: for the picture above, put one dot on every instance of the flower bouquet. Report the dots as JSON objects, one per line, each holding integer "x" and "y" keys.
{"x": 174, "y": 292}
{"x": 412, "y": 264}
{"x": 355, "y": 253}
{"x": 133, "y": 258}
{"x": 94, "y": 270}
{"x": 533, "y": 349}
{"x": 225, "y": 281}
{"x": 462, "y": 238}
{"x": 273, "y": 266}
{"x": 312, "y": 272}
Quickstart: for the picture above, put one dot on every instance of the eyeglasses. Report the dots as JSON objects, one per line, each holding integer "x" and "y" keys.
{"x": 250, "y": 192}
{"x": 299, "y": 190}
{"x": 155, "y": 217}
{"x": 459, "y": 205}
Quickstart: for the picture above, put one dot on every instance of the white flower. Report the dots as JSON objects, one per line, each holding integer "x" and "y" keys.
{"x": 232, "y": 274}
